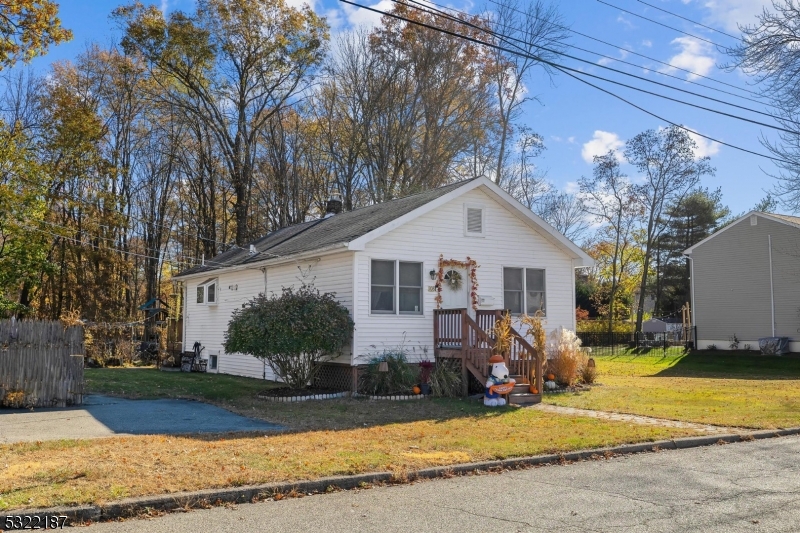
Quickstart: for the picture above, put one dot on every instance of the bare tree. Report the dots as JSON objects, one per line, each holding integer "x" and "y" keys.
{"x": 239, "y": 62}
{"x": 610, "y": 198}
{"x": 565, "y": 212}
{"x": 768, "y": 52}
{"x": 537, "y": 30}
{"x": 666, "y": 158}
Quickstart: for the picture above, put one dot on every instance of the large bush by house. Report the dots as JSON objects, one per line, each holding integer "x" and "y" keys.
{"x": 293, "y": 332}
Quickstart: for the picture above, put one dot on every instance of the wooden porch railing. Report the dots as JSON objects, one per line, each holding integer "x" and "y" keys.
{"x": 454, "y": 329}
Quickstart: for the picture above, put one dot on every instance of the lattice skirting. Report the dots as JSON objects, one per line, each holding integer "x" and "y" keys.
{"x": 336, "y": 377}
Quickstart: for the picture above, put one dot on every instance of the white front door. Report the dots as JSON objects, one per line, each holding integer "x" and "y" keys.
{"x": 455, "y": 289}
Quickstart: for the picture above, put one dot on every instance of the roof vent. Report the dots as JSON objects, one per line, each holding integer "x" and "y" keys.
{"x": 334, "y": 205}
{"x": 253, "y": 250}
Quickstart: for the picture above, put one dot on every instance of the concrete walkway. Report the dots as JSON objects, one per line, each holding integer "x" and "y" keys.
{"x": 104, "y": 416}
{"x": 636, "y": 419}
{"x": 748, "y": 487}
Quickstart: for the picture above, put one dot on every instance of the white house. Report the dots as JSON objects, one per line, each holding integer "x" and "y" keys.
{"x": 745, "y": 282}
{"x": 383, "y": 263}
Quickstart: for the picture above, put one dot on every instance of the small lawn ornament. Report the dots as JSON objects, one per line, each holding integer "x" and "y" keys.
{"x": 498, "y": 382}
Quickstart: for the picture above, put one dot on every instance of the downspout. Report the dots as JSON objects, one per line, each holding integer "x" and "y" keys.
{"x": 771, "y": 285}
{"x": 264, "y": 361}
{"x": 574, "y": 300}
{"x": 693, "y": 310}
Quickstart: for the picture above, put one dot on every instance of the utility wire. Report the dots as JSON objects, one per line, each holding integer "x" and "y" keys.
{"x": 567, "y": 28}
{"x": 542, "y": 60}
{"x": 689, "y": 20}
{"x": 560, "y": 68}
{"x": 427, "y": 5}
{"x": 661, "y": 24}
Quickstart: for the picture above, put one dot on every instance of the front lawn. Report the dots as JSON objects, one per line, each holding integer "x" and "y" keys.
{"x": 329, "y": 438}
{"x": 721, "y": 388}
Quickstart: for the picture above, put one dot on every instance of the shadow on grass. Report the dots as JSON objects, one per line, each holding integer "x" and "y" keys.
{"x": 733, "y": 365}
{"x": 239, "y": 395}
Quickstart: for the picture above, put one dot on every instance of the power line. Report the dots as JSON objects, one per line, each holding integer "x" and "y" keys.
{"x": 567, "y": 28}
{"x": 542, "y": 60}
{"x": 661, "y": 24}
{"x": 689, "y": 20}
{"x": 506, "y": 27}
{"x": 562, "y": 69}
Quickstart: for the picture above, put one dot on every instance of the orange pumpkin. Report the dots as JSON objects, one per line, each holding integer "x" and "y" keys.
{"x": 534, "y": 390}
{"x": 416, "y": 390}
{"x": 551, "y": 377}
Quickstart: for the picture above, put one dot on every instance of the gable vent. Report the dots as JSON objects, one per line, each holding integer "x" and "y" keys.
{"x": 474, "y": 220}
{"x": 753, "y": 220}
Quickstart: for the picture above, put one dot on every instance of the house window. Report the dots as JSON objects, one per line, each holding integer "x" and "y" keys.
{"x": 211, "y": 293}
{"x": 382, "y": 300}
{"x": 207, "y": 292}
{"x": 213, "y": 362}
{"x": 396, "y": 281}
{"x": 410, "y": 288}
{"x": 473, "y": 220}
{"x": 524, "y": 290}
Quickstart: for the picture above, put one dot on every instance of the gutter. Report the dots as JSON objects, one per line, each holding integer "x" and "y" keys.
{"x": 257, "y": 265}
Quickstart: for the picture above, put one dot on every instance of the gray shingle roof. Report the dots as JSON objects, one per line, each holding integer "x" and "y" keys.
{"x": 322, "y": 233}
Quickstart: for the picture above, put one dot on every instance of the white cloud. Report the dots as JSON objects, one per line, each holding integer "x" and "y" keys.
{"x": 357, "y": 16}
{"x": 572, "y": 187}
{"x": 601, "y": 143}
{"x": 297, "y": 4}
{"x": 694, "y": 56}
{"x": 571, "y": 139}
{"x": 647, "y": 43}
{"x": 624, "y": 21}
{"x": 704, "y": 146}
{"x": 730, "y": 13}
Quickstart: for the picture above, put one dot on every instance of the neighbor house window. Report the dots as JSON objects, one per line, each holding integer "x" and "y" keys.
{"x": 524, "y": 290}
{"x": 396, "y": 281}
{"x": 207, "y": 292}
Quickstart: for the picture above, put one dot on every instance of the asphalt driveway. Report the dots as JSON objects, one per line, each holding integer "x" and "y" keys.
{"x": 104, "y": 416}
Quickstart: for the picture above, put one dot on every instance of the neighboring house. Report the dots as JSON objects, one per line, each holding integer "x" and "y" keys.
{"x": 669, "y": 328}
{"x": 383, "y": 261}
{"x": 746, "y": 282}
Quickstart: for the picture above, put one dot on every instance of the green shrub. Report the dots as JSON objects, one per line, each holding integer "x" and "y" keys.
{"x": 293, "y": 332}
{"x": 601, "y": 326}
{"x": 398, "y": 379}
{"x": 445, "y": 379}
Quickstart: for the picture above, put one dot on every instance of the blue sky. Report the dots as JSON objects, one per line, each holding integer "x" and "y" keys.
{"x": 575, "y": 120}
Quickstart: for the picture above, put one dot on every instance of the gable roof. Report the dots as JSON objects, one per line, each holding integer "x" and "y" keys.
{"x": 788, "y": 220}
{"x": 353, "y": 229}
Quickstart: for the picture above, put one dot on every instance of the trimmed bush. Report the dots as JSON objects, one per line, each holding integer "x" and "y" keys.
{"x": 293, "y": 332}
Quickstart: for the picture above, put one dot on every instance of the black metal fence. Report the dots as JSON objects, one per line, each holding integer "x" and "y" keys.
{"x": 637, "y": 343}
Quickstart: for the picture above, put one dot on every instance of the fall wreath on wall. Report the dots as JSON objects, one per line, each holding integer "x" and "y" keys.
{"x": 455, "y": 282}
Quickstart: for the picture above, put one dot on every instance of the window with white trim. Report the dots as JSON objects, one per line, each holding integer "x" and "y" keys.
{"x": 524, "y": 290}
{"x": 207, "y": 292}
{"x": 395, "y": 287}
{"x": 474, "y": 220}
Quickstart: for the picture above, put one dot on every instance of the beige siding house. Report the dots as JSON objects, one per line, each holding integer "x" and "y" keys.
{"x": 382, "y": 262}
{"x": 746, "y": 282}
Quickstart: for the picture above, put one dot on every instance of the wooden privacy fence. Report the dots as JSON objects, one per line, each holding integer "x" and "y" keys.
{"x": 41, "y": 364}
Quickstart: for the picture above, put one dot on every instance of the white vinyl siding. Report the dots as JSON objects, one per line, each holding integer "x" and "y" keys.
{"x": 208, "y": 323}
{"x": 509, "y": 241}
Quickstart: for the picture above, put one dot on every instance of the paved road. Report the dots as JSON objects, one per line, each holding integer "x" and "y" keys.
{"x": 745, "y": 487}
{"x": 103, "y": 416}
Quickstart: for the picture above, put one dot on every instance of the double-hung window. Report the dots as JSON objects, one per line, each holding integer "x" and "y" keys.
{"x": 396, "y": 287}
{"x": 524, "y": 290}
{"x": 207, "y": 292}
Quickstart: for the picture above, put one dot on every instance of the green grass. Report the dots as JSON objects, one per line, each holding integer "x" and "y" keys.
{"x": 721, "y": 388}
